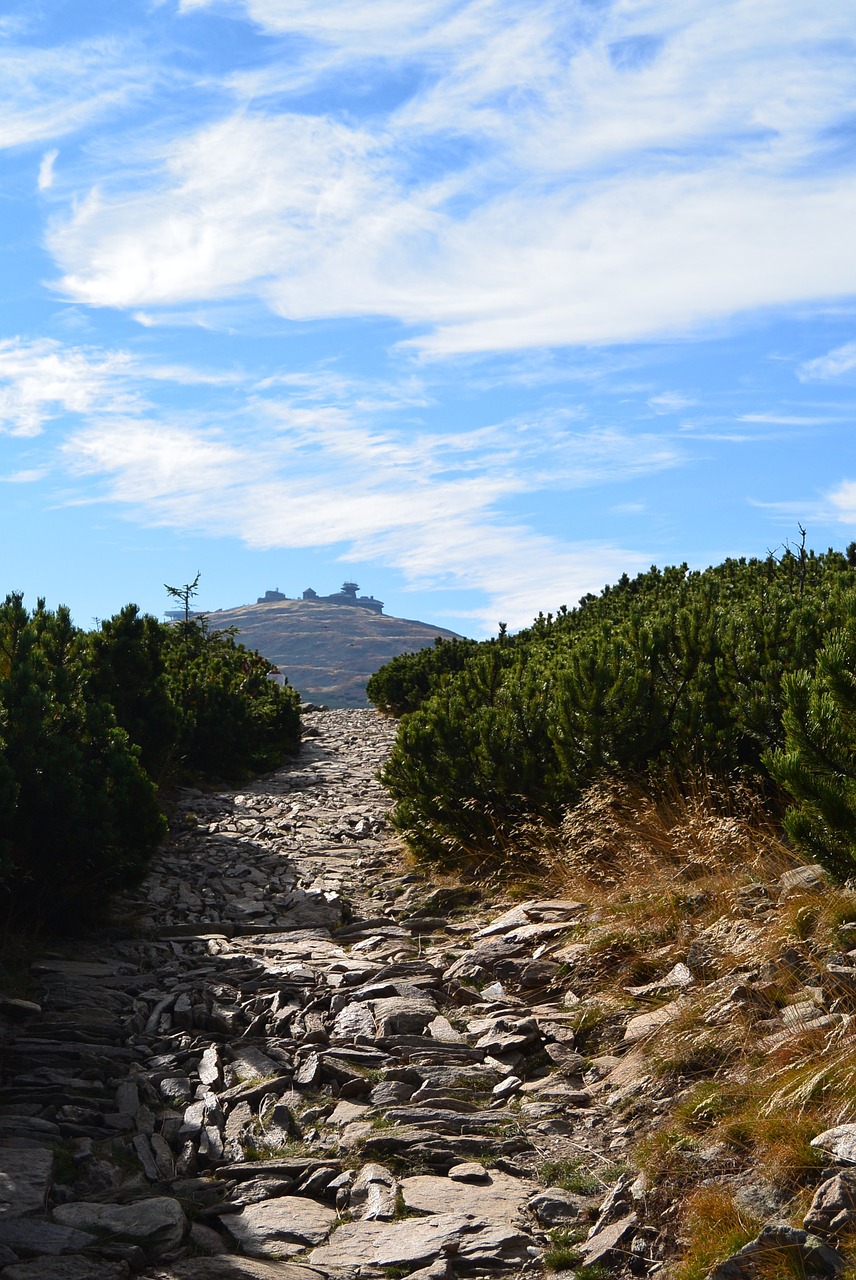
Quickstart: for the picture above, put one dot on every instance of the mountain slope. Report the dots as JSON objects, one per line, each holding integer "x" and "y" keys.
{"x": 327, "y": 651}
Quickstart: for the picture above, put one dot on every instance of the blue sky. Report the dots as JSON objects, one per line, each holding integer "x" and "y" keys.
{"x": 480, "y": 304}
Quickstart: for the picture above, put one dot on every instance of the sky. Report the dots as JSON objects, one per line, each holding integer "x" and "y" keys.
{"x": 479, "y": 304}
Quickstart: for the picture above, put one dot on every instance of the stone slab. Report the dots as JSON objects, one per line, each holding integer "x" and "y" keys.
{"x": 68, "y": 1268}
{"x": 418, "y": 1240}
{"x": 280, "y": 1227}
{"x": 34, "y": 1235}
{"x": 500, "y": 1199}
{"x": 25, "y": 1174}
{"x": 158, "y": 1223}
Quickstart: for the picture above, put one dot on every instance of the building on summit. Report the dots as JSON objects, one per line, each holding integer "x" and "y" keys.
{"x": 347, "y": 594}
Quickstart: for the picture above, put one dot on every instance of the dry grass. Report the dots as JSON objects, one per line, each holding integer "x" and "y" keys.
{"x": 714, "y": 1227}
{"x": 675, "y": 836}
{"x": 760, "y": 1054}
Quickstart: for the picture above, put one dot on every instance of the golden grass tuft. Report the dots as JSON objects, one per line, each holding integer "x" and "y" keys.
{"x": 714, "y": 1227}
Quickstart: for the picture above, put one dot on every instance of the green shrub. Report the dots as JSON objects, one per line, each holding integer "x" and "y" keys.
{"x": 817, "y": 764}
{"x": 674, "y": 668}
{"x": 80, "y": 817}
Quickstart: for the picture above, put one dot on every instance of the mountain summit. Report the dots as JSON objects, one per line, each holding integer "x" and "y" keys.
{"x": 327, "y": 646}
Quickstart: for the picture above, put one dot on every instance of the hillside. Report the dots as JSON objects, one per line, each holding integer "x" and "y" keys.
{"x": 327, "y": 651}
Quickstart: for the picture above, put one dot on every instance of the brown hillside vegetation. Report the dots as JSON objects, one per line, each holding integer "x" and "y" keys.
{"x": 327, "y": 651}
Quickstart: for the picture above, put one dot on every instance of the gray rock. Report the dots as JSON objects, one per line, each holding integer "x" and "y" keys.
{"x": 176, "y": 1091}
{"x": 34, "y": 1235}
{"x": 802, "y": 879}
{"x": 158, "y": 1224}
{"x": 281, "y": 1227}
{"x": 352, "y": 1021}
{"x": 839, "y": 1142}
{"x": 803, "y": 1253}
{"x": 469, "y": 1171}
{"x": 231, "y": 1268}
{"x": 500, "y": 1199}
{"x": 374, "y": 1194}
{"x": 145, "y": 1155}
{"x": 832, "y": 1197}
{"x": 127, "y": 1098}
{"x": 601, "y": 1246}
{"x": 554, "y": 1207}
{"x": 25, "y": 1174}
{"x": 388, "y": 1092}
{"x": 73, "y": 1267}
{"x": 209, "y": 1066}
{"x": 390, "y": 1244}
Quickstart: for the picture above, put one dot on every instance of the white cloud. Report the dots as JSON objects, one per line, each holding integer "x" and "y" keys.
{"x": 46, "y": 170}
{"x": 670, "y": 402}
{"x": 435, "y": 531}
{"x": 30, "y": 475}
{"x": 834, "y": 364}
{"x": 842, "y": 502}
{"x": 40, "y": 380}
{"x": 431, "y": 505}
{"x": 47, "y": 93}
{"x": 790, "y": 419}
{"x": 542, "y": 175}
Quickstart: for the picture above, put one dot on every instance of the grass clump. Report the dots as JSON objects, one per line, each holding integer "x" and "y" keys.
{"x": 563, "y": 1250}
{"x": 714, "y": 1227}
{"x": 570, "y": 1175}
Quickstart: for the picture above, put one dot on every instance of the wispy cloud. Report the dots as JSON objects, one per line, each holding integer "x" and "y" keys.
{"x": 559, "y": 174}
{"x": 438, "y": 529}
{"x": 46, "y": 170}
{"x": 842, "y": 501}
{"x": 834, "y": 364}
{"x": 40, "y": 380}
{"x": 30, "y": 475}
{"x": 47, "y": 93}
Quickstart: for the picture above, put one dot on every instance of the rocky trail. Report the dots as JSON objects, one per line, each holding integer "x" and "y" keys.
{"x": 298, "y": 1057}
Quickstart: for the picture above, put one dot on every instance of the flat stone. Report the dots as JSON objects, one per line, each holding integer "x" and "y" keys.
{"x": 34, "y": 1235}
{"x": 374, "y": 1194}
{"x": 555, "y": 1207}
{"x": 25, "y": 1174}
{"x": 469, "y": 1171}
{"x": 251, "y": 1064}
{"x": 499, "y": 1199}
{"x": 679, "y": 976}
{"x": 232, "y": 1268}
{"x": 390, "y": 1244}
{"x": 401, "y": 1016}
{"x": 840, "y": 1142}
{"x": 74, "y": 1267}
{"x": 158, "y": 1224}
{"x": 280, "y": 1227}
{"x": 645, "y": 1024}
{"x": 803, "y": 879}
{"x": 352, "y": 1021}
{"x": 599, "y": 1246}
{"x": 347, "y": 1112}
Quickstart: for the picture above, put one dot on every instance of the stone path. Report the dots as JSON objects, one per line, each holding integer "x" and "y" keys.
{"x": 302, "y": 1059}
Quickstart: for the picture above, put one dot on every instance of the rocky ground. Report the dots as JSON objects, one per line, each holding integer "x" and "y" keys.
{"x": 299, "y": 1057}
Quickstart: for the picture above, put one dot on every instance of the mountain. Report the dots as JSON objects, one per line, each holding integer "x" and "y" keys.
{"x": 327, "y": 650}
